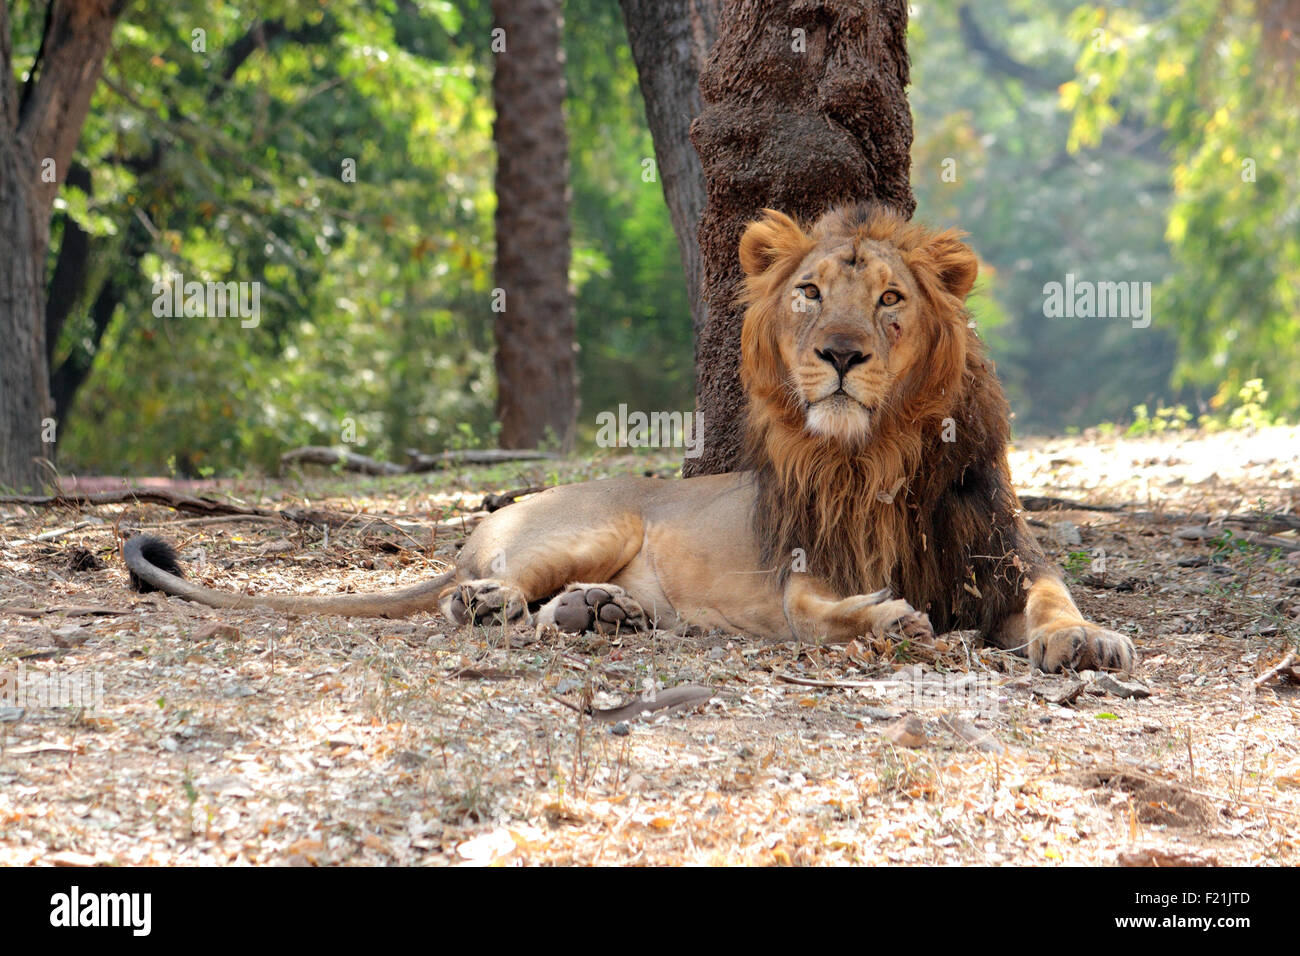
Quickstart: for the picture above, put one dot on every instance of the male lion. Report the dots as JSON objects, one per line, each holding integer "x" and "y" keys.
{"x": 878, "y": 497}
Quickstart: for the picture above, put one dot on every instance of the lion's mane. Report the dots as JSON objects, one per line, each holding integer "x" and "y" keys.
{"x": 925, "y": 507}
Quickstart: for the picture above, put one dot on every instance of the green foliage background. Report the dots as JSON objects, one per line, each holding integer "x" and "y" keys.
{"x": 1120, "y": 159}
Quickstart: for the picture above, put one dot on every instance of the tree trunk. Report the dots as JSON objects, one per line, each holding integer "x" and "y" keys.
{"x": 39, "y": 128}
{"x": 670, "y": 40}
{"x": 804, "y": 108}
{"x": 24, "y": 381}
{"x": 537, "y": 392}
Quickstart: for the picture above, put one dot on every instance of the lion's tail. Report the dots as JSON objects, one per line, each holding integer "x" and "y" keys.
{"x": 153, "y": 565}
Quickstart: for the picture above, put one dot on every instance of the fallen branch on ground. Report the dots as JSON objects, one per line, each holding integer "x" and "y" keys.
{"x": 1285, "y": 668}
{"x": 1040, "y": 503}
{"x": 672, "y": 697}
{"x": 187, "y": 503}
{"x": 417, "y": 461}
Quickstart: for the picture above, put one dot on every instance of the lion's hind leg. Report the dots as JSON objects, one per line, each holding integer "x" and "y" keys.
{"x": 532, "y": 551}
{"x": 602, "y": 607}
{"x": 484, "y": 599}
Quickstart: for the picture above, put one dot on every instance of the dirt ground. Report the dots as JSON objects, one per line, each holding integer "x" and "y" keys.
{"x": 241, "y": 737}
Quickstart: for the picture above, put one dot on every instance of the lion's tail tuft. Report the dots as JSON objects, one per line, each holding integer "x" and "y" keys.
{"x": 147, "y": 549}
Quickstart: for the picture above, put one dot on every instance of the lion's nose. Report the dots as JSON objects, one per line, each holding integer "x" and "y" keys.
{"x": 842, "y": 355}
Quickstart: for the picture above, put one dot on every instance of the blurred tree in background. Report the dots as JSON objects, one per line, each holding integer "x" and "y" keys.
{"x": 1220, "y": 77}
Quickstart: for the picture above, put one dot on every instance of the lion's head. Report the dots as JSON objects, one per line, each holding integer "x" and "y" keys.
{"x": 854, "y": 326}
{"x": 871, "y": 408}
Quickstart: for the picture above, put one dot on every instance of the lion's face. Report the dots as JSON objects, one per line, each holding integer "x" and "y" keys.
{"x": 852, "y": 331}
{"x": 851, "y": 322}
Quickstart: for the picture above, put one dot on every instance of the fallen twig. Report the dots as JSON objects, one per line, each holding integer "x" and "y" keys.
{"x": 1273, "y": 521}
{"x": 71, "y": 610}
{"x": 417, "y": 463}
{"x": 1284, "y": 668}
{"x": 672, "y": 697}
{"x": 979, "y": 739}
{"x": 209, "y": 507}
{"x": 1046, "y": 503}
{"x": 811, "y": 682}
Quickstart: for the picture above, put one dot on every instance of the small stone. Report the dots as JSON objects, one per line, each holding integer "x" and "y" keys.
{"x": 907, "y": 732}
{"x": 1066, "y": 534}
{"x": 620, "y": 729}
{"x": 1109, "y": 684}
{"x": 216, "y": 629}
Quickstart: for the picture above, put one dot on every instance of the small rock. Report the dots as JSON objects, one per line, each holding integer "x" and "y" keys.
{"x": 1109, "y": 684}
{"x": 880, "y": 713}
{"x": 1066, "y": 533}
{"x": 907, "y": 732}
{"x": 1065, "y": 692}
{"x": 70, "y": 636}
{"x": 620, "y": 729}
{"x": 1191, "y": 532}
{"x": 217, "y": 630}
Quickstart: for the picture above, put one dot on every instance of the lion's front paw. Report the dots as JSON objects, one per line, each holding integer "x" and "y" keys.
{"x": 899, "y": 617}
{"x": 483, "y": 600}
{"x": 881, "y": 616}
{"x": 1081, "y": 646}
{"x": 602, "y": 607}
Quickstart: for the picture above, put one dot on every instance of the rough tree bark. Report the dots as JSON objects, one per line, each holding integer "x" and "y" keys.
{"x": 805, "y": 107}
{"x": 535, "y": 362}
{"x": 39, "y": 128}
{"x": 670, "y": 40}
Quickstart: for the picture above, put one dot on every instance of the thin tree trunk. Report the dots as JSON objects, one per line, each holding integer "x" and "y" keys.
{"x": 670, "y": 40}
{"x": 805, "y": 107}
{"x": 24, "y": 382}
{"x": 71, "y": 268}
{"x": 39, "y": 128}
{"x": 536, "y": 366}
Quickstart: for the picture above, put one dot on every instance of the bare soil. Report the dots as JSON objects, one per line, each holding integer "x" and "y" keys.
{"x": 254, "y": 738}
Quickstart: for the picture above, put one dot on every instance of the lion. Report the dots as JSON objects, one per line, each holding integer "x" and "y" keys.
{"x": 877, "y": 496}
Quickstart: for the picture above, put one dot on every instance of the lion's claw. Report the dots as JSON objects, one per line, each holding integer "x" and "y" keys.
{"x": 1082, "y": 646}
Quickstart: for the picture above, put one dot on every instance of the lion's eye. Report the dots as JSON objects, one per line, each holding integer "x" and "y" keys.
{"x": 890, "y": 298}
{"x": 810, "y": 291}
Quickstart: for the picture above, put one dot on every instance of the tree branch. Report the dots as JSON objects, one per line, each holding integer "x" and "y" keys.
{"x": 999, "y": 59}
{"x": 1143, "y": 140}
{"x": 55, "y": 104}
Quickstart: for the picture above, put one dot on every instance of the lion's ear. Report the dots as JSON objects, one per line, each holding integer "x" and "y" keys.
{"x": 953, "y": 262}
{"x": 766, "y": 240}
